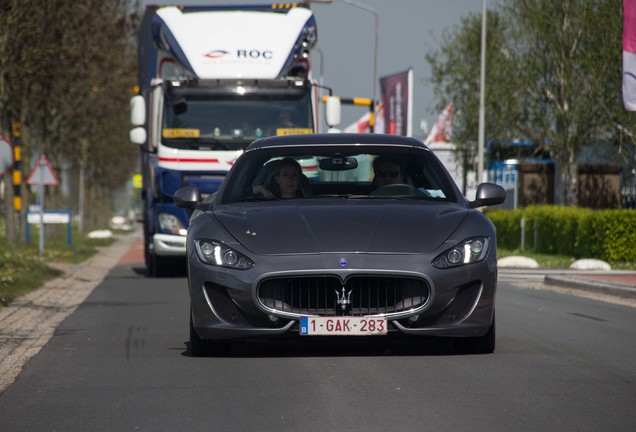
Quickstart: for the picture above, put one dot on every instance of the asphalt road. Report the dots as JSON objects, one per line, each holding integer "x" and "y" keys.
{"x": 119, "y": 363}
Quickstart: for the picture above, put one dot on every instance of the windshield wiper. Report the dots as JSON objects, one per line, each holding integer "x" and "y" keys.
{"x": 207, "y": 142}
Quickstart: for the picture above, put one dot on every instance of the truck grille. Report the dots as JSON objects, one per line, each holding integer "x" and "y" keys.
{"x": 329, "y": 296}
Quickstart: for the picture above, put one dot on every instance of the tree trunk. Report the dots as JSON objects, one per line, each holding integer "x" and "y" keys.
{"x": 569, "y": 183}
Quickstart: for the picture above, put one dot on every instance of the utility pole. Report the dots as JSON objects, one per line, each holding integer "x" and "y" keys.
{"x": 482, "y": 97}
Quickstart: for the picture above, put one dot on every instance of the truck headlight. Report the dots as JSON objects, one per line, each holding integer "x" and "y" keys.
{"x": 171, "y": 224}
{"x": 216, "y": 253}
{"x": 467, "y": 252}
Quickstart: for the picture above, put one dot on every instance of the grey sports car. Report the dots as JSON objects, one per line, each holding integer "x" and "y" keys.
{"x": 360, "y": 235}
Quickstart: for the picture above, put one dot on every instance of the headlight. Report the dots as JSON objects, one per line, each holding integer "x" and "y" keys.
{"x": 467, "y": 252}
{"x": 218, "y": 254}
{"x": 171, "y": 224}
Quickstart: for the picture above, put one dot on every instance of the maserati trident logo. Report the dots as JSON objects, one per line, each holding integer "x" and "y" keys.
{"x": 343, "y": 299}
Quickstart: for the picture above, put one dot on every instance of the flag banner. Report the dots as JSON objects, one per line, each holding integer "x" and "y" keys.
{"x": 396, "y": 97}
{"x": 629, "y": 54}
{"x": 362, "y": 124}
{"x": 442, "y": 130}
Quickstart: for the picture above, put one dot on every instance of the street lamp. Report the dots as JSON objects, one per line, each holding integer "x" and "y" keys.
{"x": 375, "y": 56}
{"x": 321, "y": 57}
{"x": 482, "y": 94}
{"x": 367, "y": 8}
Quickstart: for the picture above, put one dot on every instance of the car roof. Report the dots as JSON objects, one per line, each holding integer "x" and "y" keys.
{"x": 334, "y": 139}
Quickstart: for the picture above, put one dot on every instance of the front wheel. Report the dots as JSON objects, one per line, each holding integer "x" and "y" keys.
{"x": 200, "y": 347}
{"x": 478, "y": 345}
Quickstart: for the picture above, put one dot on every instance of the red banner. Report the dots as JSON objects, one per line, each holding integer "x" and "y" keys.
{"x": 629, "y": 54}
{"x": 396, "y": 98}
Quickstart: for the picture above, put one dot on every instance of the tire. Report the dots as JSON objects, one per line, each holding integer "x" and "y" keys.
{"x": 478, "y": 345}
{"x": 198, "y": 347}
{"x": 202, "y": 348}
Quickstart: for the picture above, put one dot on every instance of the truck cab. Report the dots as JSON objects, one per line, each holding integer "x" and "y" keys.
{"x": 211, "y": 80}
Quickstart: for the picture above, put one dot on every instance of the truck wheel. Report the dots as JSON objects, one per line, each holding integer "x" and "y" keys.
{"x": 150, "y": 262}
{"x": 161, "y": 266}
{"x": 157, "y": 266}
{"x": 148, "y": 255}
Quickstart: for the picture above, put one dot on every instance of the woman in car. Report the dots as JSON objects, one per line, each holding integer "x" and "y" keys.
{"x": 284, "y": 182}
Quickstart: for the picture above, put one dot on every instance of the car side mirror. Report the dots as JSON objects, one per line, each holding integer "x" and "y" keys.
{"x": 137, "y": 110}
{"x": 187, "y": 197}
{"x": 488, "y": 194}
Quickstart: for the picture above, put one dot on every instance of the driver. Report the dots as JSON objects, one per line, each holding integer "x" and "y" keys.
{"x": 387, "y": 170}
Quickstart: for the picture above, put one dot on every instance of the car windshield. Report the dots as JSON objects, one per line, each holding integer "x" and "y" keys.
{"x": 332, "y": 173}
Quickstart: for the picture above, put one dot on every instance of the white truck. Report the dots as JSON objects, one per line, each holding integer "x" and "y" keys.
{"x": 211, "y": 80}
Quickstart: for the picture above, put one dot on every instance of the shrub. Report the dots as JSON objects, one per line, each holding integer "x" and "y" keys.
{"x": 609, "y": 235}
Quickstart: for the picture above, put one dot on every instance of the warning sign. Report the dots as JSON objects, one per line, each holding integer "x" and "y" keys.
{"x": 43, "y": 174}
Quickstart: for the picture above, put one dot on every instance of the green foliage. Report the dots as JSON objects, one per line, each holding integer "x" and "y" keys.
{"x": 620, "y": 234}
{"x": 20, "y": 272}
{"x": 553, "y": 75}
{"x": 545, "y": 261}
{"x": 508, "y": 225}
{"x": 23, "y": 269}
{"x": 607, "y": 235}
{"x": 66, "y": 74}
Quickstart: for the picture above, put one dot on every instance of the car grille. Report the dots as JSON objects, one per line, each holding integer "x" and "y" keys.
{"x": 329, "y": 296}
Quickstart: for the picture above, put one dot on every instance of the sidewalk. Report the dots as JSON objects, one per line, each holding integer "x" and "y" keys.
{"x": 619, "y": 283}
{"x": 27, "y": 324}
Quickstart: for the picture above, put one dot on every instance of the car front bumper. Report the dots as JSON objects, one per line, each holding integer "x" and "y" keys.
{"x": 225, "y": 304}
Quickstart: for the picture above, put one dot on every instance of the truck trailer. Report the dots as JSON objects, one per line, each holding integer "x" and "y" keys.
{"x": 211, "y": 80}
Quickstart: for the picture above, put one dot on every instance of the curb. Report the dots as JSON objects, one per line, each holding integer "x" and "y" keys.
{"x": 580, "y": 283}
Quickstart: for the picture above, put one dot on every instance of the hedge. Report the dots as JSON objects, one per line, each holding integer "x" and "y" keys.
{"x": 608, "y": 235}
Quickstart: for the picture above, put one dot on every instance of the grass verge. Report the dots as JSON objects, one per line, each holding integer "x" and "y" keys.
{"x": 23, "y": 269}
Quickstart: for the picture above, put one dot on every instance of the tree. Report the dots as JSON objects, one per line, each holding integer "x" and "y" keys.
{"x": 556, "y": 77}
{"x": 66, "y": 70}
{"x": 455, "y": 70}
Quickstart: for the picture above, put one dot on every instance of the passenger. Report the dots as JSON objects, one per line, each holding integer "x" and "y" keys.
{"x": 387, "y": 170}
{"x": 285, "y": 181}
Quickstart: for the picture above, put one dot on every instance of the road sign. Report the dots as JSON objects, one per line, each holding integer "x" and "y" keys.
{"x": 6, "y": 155}
{"x": 43, "y": 174}
{"x": 49, "y": 217}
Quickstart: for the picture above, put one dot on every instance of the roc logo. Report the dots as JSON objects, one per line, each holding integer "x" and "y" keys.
{"x": 252, "y": 54}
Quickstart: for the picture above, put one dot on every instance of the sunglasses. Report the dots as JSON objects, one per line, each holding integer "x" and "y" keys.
{"x": 392, "y": 174}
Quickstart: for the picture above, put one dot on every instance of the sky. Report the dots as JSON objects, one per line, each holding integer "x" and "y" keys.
{"x": 408, "y": 30}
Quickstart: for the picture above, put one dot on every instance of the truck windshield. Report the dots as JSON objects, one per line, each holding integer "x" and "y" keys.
{"x": 236, "y": 117}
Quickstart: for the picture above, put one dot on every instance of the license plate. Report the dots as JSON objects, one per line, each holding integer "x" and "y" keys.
{"x": 343, "y": 326}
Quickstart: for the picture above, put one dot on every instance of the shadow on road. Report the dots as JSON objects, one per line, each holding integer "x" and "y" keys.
{"x": 339, "y": 347}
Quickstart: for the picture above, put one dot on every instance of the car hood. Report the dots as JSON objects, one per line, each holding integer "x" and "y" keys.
{"x": 345, "y": 227}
